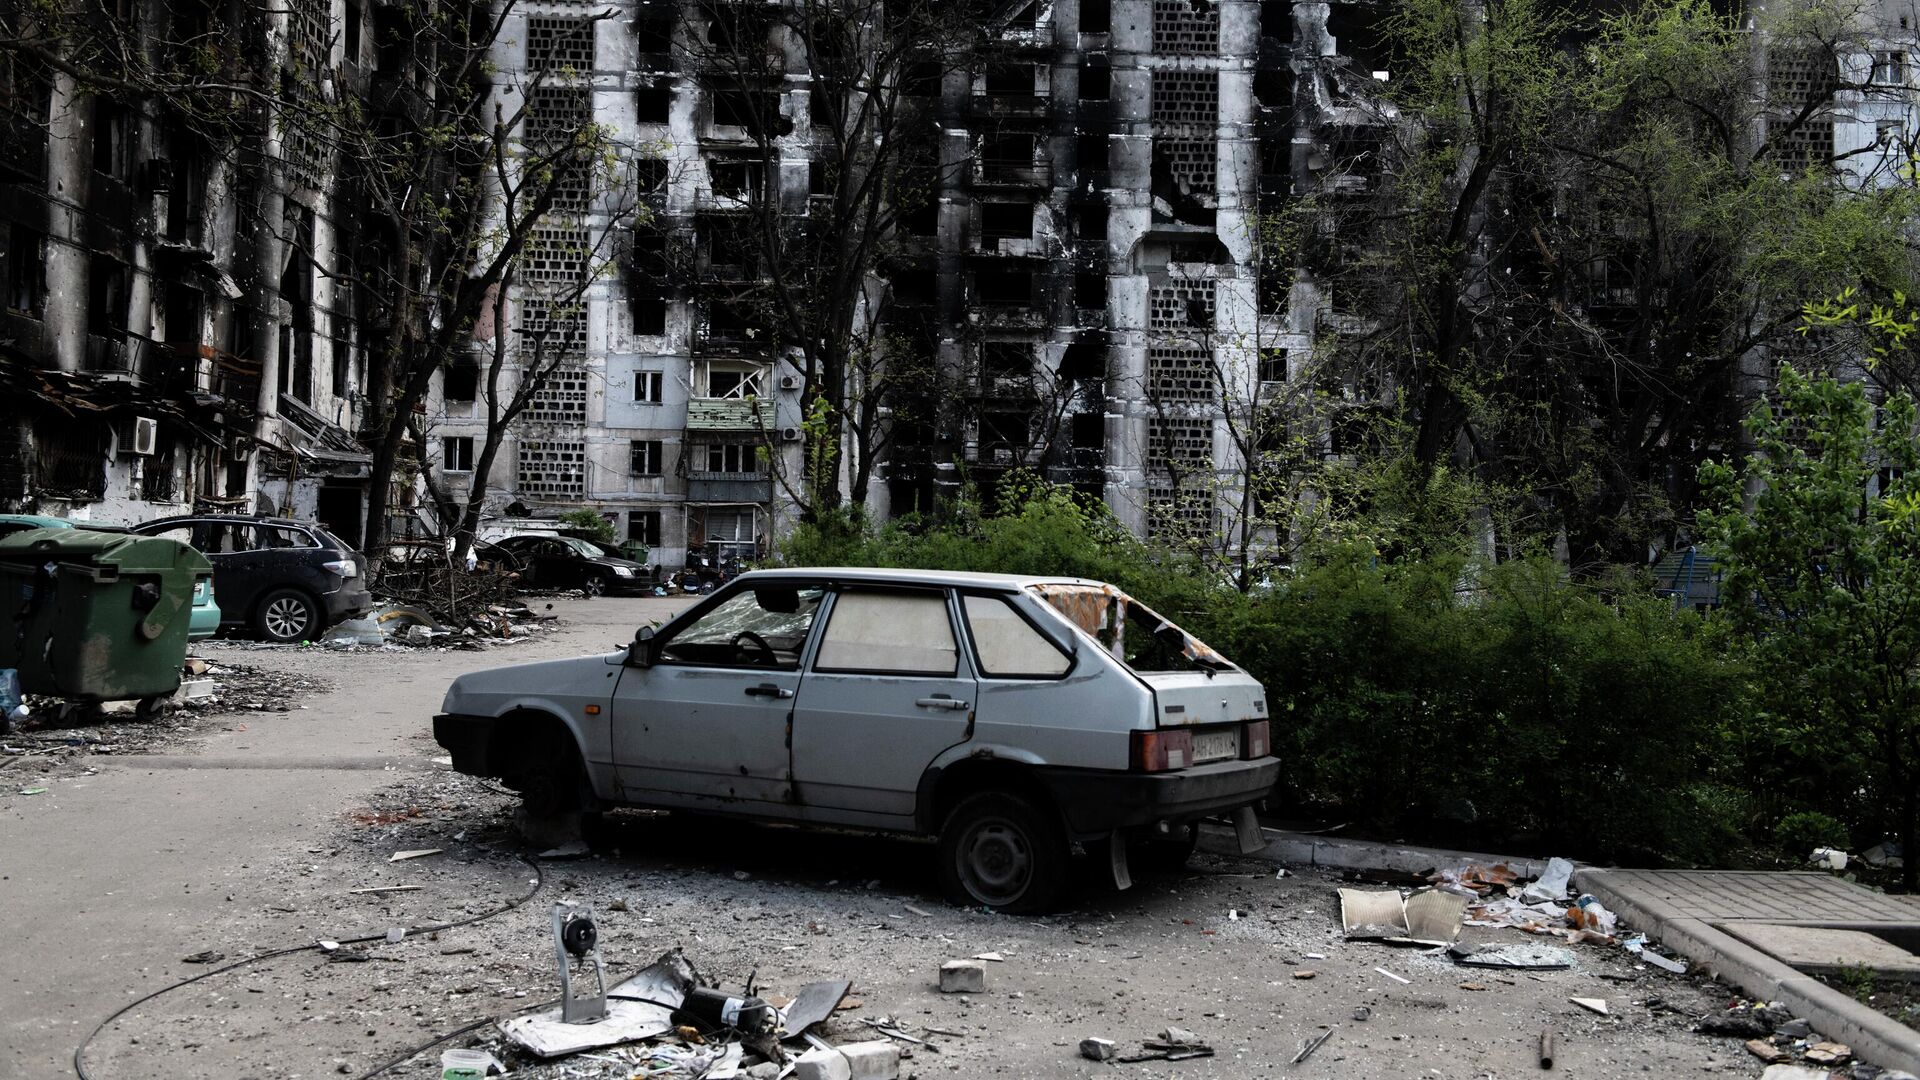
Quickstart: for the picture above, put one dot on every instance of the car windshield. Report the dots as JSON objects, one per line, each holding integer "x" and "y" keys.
{"x": 1129, "y": 630}
{"x": 759, "y": 627}
{"x": 580, "y": 547}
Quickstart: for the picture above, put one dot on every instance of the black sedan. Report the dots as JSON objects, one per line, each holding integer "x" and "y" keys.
{"x": 563, "y": 562}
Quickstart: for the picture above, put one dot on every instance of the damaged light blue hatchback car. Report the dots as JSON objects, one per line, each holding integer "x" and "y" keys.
{"x": 1007, "y": 716}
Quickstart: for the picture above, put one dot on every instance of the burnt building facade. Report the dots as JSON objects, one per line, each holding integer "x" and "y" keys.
{"x": 1082, "y": 279}
{"x": 173, "y": 333}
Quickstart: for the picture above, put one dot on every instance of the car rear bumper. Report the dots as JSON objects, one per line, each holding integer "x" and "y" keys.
{"x": 468, "y": 738}
{"x": 349, "y": 601}
{"x": 1098, "y": 801}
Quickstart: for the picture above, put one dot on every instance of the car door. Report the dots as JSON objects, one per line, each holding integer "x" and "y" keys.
{"x": 705, "y": 724}
{"x": 227, "y": 593}
{"x": 558, "y": 565}
{"x": 238, "y": 577}
{"x": 888, "y": 690}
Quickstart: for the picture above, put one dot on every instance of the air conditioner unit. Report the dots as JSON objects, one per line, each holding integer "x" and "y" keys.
{"x": 789, "y": 382}
{"x": 789, "y": 434}
{"x": 146, "y": 435}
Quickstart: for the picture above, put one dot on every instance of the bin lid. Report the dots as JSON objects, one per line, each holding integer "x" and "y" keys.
{"x": 130, "y": 553}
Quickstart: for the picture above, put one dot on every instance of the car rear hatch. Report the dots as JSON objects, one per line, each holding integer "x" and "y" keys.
{"x": 1225, "y": 716}
{"x": 1205, "y": 709}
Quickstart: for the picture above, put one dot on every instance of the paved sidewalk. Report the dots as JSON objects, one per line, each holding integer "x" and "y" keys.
{"x": 1699, "y": 913}
{"x": 1795, "y": 899}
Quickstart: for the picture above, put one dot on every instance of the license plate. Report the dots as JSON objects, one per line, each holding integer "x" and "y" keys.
{"x": 1215, "y": 745}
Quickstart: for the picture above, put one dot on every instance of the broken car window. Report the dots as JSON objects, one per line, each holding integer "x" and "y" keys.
{"x": 894, "y": 633}
{"x": 226, "y": 537}
{"x": 757, "y": 628}
{"x": 284, "y": 538}
{"x": 1129, "y": 630}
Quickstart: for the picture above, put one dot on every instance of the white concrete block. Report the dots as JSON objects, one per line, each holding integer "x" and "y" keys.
{"x": 963, "y": 977}
{"x": 822, "y": 1064}
{"x": 875, "y": 1060}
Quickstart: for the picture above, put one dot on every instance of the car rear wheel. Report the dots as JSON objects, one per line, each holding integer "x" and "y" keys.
{"x": 286, "y": 615}
{"x": 1002, "y": 851}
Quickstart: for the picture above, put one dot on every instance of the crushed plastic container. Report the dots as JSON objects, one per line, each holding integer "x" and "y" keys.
{"x": 97, "y": 616}
{"x": 464, "y": 1064}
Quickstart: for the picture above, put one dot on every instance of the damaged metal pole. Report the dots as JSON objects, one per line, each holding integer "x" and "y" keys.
{"x": 1307, "y": 1050}
{"x": 1546, "y": 1049}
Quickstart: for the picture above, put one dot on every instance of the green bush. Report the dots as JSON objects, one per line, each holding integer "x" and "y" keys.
{"x": 1407, "y": 693}
{"x": 590, "y": 523}
{"x": 1803, "y": 830}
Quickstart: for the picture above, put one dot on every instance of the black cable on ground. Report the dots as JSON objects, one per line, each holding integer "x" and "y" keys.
{"x": 79, "y": 1052}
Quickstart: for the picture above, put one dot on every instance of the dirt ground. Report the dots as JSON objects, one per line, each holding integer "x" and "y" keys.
{"x": 246, "y": 832}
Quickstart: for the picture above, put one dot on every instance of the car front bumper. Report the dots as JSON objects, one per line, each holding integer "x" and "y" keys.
{"x": 1096, "y": 802}
{"x": 469, "y": 739}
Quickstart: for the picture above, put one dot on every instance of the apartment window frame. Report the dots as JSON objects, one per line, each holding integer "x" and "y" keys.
{"x": 26, "y": 270}
{"x": 456, "y": 453}
{"x": 649, "y": 386}
{"x": 645, "y": 527}
{"x": 645, "y": 457}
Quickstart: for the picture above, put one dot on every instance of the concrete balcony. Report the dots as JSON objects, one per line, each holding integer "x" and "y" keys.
{"x": 729, "y": 414}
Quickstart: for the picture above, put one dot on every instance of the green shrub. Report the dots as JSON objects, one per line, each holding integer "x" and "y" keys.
{"x": 1800, "y": 832}
{"x": 590, "y": 523}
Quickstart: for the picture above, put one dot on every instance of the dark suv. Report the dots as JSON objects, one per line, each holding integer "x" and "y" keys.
{"x": 288, "y": 580}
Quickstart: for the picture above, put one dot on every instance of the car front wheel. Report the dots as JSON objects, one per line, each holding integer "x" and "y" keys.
{"x": 286, "y": 615}
{"x": 595, "y": 585}
{"x": 1001, "y": 850}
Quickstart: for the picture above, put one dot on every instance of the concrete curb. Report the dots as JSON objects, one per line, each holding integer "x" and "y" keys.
{"x": 1880, "y": 1039}
{"x": 1302, "y": 849}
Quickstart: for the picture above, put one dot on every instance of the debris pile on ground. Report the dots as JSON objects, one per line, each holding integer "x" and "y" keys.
{"x": 1787, "y": 1044}
{"x": 663, "y": 1022}
{"x": 453, "y": 594}
{"x": 397, "y": 626}
{"x": 57, "y": 729}
{"x": 1500, "y": 896}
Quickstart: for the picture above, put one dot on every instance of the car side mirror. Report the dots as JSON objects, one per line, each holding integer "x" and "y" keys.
{"x": 640, "y": 653}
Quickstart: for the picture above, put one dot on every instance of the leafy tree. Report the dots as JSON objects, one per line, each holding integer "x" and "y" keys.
{"x": 1594, "y": 226}
{"x": 1823, "y": 571}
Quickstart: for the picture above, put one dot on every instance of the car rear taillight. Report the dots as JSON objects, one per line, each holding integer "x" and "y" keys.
{"x": 1254, "y": 743}
{"x": 1159, "y": 751}
{"x": 346, "y": 568}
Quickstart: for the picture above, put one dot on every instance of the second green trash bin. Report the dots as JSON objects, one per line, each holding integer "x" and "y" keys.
{"x": 96, "y": 616}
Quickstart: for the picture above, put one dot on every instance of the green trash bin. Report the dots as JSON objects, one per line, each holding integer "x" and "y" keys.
{"x": 97, "y": 616}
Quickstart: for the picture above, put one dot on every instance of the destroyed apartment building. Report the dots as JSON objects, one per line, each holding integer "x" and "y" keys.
{"x": 1073, "y": 291}
{"x": 1069, "y": 269}
{"x": 178, "y": 330}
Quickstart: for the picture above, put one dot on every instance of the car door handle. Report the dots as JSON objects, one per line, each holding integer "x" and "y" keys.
{"x": 769, "y": 690}
{"x": 941, "y": 703}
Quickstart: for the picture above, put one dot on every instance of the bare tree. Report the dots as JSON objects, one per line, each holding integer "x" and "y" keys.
{"x": 455, "y": 189}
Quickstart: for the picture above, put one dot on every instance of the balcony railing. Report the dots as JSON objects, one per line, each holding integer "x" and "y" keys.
{"x": 729, "y": 414}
